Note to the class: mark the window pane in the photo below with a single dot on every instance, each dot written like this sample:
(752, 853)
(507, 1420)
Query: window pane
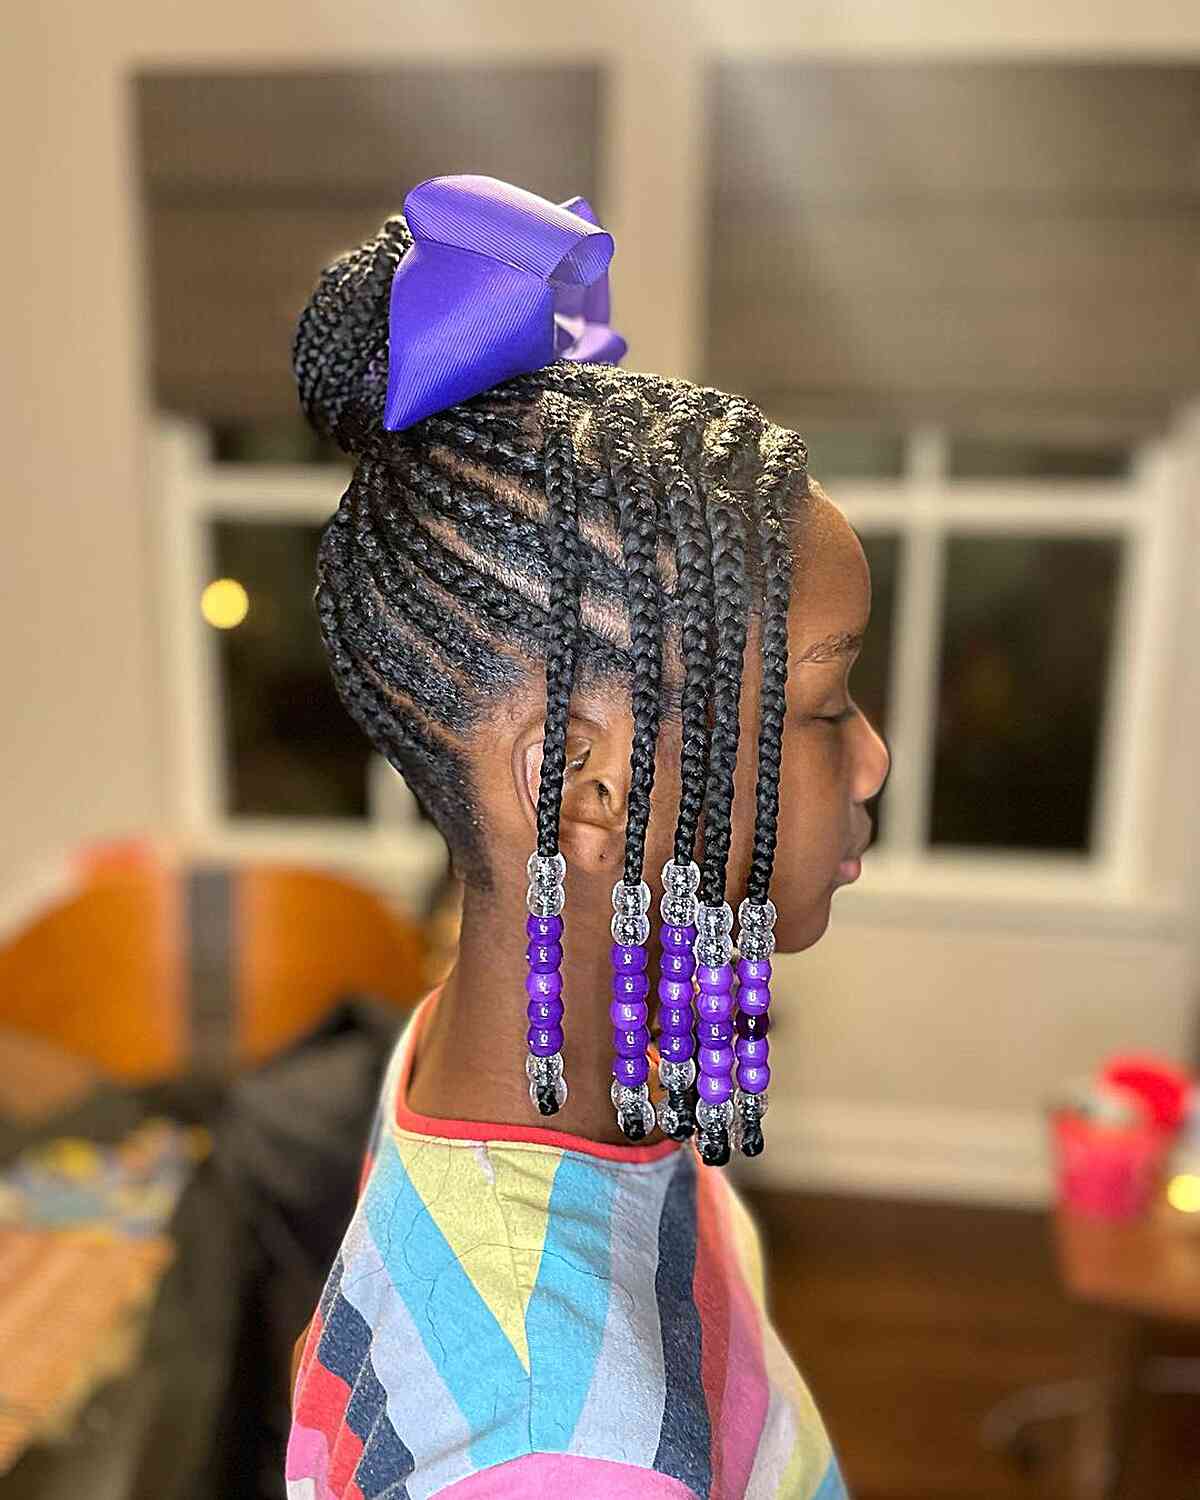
(1028, 630)
(290, 440)
(290, 748)
(995, 458)
(840, 453)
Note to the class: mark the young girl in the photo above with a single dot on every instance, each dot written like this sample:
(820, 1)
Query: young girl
(605, 617)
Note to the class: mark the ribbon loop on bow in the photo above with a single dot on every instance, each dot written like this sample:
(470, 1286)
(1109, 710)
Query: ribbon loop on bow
(498, 283)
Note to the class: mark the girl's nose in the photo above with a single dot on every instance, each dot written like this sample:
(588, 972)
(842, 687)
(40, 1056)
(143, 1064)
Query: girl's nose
(872, 762)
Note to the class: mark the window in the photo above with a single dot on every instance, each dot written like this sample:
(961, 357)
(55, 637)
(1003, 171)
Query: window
(289, 747)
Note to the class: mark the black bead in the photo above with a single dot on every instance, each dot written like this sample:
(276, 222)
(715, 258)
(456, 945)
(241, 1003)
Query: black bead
(714, 1148)
(632, 1125)
(751, 1026)
(752, 1139)
(547, 1101)
(687, 1117)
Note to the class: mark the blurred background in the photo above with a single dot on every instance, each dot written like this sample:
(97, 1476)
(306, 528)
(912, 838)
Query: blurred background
(958, 247)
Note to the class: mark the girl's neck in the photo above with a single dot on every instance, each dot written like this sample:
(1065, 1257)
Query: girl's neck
(470, 1060)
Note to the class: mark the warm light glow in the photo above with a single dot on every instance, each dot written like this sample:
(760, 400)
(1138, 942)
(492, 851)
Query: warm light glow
(1183, 1193)
(224, 603)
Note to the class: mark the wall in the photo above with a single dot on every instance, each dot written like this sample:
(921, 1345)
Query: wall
(894, 1017)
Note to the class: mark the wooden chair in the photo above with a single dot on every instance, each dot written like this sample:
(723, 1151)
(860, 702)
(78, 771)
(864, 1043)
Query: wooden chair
(153, 966)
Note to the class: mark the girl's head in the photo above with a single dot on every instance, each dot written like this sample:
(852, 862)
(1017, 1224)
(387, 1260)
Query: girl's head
(594, 610)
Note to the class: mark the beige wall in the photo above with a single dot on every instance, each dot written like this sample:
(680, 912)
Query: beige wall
(897, 1015)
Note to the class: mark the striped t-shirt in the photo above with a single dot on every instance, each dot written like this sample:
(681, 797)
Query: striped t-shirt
(519, 1312)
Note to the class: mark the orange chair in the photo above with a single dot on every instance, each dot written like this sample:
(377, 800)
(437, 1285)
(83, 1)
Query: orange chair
(154, 967)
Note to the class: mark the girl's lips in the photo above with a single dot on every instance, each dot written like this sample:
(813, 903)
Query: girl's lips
(848, 871)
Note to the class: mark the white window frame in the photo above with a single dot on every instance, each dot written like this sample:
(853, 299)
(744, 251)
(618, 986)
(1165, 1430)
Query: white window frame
(906, 880)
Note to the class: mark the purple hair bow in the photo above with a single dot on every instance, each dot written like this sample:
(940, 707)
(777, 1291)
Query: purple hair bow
(498, 282)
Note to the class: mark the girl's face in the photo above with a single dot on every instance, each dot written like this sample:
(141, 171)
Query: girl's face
(833, 760)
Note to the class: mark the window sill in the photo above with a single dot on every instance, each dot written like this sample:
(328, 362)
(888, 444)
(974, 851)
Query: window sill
(1025, 893)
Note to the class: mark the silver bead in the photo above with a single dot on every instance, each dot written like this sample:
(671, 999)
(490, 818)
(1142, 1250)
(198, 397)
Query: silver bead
(756, 946)
(679, 911)
(635, 1101)
(545, 870)
(545, 902)
(631, 900)
(631, 932)
(681, 880)
(677, 1076)
(543, 1069)
(670, 1119)
(750, 1106)
(714, 1116)
(714, 921)
(713, 952)
(756, 916)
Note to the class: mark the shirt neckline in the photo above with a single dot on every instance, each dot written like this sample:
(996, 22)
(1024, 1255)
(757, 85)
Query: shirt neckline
(409, 1120)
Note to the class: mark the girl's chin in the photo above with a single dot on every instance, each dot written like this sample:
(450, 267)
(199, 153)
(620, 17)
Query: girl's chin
(795, 936)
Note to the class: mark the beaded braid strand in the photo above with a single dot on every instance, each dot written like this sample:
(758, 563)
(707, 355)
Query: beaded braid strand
(638, 526)
(547, 867)
(756, 914)
(677, 1069)
(714, 923)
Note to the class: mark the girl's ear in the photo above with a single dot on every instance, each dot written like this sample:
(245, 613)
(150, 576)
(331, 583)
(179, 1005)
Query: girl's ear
(595, 789)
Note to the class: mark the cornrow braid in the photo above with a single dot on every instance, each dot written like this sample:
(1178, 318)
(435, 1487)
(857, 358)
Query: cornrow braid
(756, 914)
(681, 875)
(547, 867)
(637, 521)
(729, 458)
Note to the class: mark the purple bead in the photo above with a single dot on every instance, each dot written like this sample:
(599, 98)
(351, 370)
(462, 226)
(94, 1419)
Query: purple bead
(631, 1071)
(715, 980)
(544, 929)
(677, 939)
(677, 965)
(715, 1088)
(544, 956)
(753, 1078)
(545, 1012)
(630, 986)
(677, 1047)
(755, 1050)
(754, 970)
(675, 991)
(714, 1007)
(631, 1043)
(539, 986)
(628, 958)
(715, 1059)
(714, 1033)
(625, 1013)
(544, 1040)
(675, 1017)
(754, 1024)
(754, 999)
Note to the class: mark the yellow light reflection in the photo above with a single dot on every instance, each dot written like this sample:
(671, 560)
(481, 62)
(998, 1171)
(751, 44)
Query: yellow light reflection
(224, 603)
(1183, 1193)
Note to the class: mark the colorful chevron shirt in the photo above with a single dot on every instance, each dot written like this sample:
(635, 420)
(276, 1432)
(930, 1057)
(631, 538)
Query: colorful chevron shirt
(519, 1312)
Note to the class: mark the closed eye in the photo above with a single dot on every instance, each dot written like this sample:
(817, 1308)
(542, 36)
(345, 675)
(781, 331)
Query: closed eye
(844, 717)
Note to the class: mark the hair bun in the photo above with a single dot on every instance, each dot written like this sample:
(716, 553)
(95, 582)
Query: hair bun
(340, 352)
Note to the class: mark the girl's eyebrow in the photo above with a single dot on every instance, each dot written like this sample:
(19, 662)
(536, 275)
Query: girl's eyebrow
(833, 646)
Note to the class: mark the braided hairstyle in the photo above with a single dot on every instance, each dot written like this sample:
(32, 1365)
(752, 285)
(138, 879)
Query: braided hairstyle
(585, 521)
